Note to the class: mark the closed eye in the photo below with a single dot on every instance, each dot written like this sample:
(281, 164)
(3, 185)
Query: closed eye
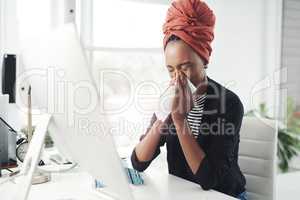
(186, 66)
(170, 69)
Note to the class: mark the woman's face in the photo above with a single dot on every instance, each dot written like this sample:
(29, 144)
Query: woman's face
(179, 56)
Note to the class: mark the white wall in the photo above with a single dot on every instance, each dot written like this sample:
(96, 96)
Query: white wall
(1, 31)
(246, 47)
(9, 25)
(21, 21)
(1, 25)
(9, 42)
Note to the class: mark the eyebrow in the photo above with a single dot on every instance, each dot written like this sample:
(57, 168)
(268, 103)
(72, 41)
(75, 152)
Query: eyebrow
(181, 64)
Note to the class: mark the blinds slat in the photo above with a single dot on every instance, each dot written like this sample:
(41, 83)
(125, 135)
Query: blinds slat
(291, 5)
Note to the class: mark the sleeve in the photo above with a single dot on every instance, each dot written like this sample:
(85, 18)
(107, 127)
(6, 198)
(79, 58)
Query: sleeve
(139, 165)
(220, 155)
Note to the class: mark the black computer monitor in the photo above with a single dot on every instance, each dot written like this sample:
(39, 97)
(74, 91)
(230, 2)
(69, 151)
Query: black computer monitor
(7, 146)
(9, 76)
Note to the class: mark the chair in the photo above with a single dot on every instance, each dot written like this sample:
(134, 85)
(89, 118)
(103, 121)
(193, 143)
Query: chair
(257, 157)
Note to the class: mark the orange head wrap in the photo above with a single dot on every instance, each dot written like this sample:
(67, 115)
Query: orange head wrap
(193, 22)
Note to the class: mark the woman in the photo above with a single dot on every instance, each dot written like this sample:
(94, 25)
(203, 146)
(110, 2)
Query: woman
(202, 131)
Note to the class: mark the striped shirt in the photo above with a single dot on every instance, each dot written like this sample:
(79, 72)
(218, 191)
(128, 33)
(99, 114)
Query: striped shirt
(194, 117)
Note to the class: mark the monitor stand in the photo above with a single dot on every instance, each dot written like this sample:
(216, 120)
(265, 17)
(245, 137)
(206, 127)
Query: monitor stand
(32, 158)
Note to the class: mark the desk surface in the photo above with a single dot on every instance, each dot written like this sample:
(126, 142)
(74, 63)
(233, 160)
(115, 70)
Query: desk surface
(159, 184)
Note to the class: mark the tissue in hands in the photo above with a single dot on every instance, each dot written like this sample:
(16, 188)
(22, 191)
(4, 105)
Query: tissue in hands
(164, 104)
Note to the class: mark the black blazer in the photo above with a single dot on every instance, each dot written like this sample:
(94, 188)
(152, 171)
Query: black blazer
(218, 137)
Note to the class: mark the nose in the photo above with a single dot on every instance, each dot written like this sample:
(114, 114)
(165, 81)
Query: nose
(180, 71)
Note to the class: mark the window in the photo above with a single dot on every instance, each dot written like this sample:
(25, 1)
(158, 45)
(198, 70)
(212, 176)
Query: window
(291, 46)
(125, 36)
(34, 19)
(127, 24)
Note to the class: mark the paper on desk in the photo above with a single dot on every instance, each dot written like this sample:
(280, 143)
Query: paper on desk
(164, 104)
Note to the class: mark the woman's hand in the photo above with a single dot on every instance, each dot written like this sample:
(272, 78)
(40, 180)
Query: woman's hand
(157, 127)
(183, 100)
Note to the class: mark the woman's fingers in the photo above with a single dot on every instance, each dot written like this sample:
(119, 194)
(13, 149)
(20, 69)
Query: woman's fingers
(173, 81)
(183, 78)
(182, 102)
(186, 94)
(182, 95)
(158, 124)
(177, 85)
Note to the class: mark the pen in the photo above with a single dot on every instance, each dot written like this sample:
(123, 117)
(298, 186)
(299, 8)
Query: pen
(29, 115)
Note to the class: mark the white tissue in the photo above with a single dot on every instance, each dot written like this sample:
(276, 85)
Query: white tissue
(164, 105)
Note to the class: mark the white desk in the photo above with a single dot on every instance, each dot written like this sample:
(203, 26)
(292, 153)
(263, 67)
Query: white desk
(159, 185)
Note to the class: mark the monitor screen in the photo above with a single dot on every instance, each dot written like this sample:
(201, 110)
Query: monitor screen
(7, 146)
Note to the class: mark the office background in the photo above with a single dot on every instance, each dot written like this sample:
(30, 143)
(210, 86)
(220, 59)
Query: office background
(256, 50)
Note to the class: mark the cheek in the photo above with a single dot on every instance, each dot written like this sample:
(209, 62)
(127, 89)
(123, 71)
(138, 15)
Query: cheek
(189, 73)
(193, 74)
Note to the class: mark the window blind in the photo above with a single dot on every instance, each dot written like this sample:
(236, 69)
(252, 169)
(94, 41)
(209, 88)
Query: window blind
(291, 46)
